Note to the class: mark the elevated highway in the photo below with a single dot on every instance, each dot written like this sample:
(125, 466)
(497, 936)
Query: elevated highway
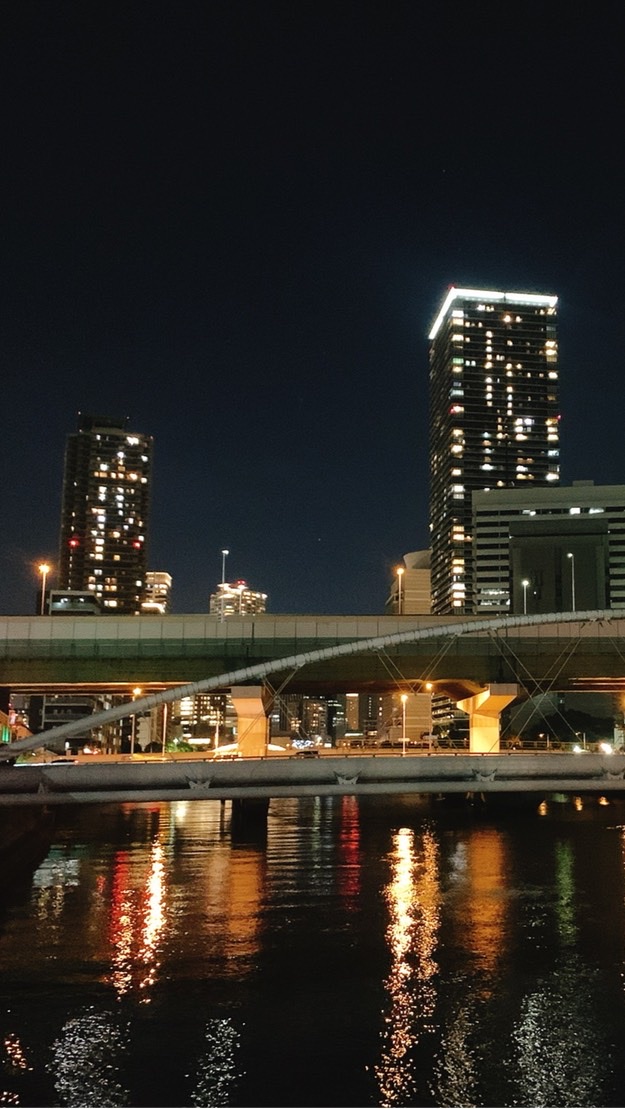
(472, 660)
(316, 653)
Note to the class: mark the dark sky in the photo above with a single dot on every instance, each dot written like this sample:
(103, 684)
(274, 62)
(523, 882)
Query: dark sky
(234, 222)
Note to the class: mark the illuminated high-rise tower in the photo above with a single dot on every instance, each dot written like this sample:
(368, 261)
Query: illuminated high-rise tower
(494, 419)
(104, 515)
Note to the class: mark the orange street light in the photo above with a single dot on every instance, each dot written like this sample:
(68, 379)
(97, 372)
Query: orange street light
(404, 698)
(400, 573)
(137, 691)
(44, 570)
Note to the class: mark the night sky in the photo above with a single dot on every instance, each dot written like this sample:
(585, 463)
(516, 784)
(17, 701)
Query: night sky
(234, 223)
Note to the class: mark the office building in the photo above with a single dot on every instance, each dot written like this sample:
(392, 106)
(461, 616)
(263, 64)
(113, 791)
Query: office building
(549, 550)
(299, 718)
(206, 719)
(105, 511)
(237, 599)
(494, 419)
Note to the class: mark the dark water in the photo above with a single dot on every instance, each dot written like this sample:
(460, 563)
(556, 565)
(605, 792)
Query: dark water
(372, 952)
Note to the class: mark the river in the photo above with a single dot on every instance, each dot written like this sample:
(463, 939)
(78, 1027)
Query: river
(348, 953)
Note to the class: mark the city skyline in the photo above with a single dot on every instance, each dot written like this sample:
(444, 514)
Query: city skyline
(234, 224)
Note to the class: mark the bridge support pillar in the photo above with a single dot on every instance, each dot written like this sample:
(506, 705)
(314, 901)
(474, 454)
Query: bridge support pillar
(249, 703)
(484, 710)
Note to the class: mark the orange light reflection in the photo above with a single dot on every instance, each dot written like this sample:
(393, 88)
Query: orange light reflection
(413, 897)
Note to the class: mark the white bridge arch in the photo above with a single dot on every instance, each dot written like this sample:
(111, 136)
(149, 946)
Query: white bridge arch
(259, 671)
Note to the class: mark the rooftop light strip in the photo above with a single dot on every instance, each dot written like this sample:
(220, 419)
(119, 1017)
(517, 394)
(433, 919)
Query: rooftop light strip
(488, 294)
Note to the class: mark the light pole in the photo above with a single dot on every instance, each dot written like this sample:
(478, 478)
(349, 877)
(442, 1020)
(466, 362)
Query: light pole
(400, 605)
(223, 582)
(525, 584)
(135, 693)
(404, 698)
(572, 558)
(44, 570)
(164, 735)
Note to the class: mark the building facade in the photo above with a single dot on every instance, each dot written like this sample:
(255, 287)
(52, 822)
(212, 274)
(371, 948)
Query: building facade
(549, 550)
(237, 599)
(105, 513)
(494, 419)
(410, 592)
(410, 595)
(157, 596)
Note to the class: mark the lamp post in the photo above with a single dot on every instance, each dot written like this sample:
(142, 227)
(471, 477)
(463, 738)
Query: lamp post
(525, 584)
(223, 582)
(44, 570)
(133, 730)
(400, 599)
(164, 733)
(572, 558)
(404, 698)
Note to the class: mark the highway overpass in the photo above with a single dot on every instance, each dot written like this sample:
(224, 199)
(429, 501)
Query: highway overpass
(176, 656)
(331, 652)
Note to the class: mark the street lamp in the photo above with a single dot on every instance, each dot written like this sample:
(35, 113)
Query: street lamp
(400, 574)
(44, 570)
(572, 558)
(223, 581)
(135, 693)
(525, 584)
(404, 698)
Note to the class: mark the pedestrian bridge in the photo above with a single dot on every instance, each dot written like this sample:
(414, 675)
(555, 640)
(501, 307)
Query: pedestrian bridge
(542, 776)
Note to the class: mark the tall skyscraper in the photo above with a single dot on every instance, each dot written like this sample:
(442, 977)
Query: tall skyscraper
(104, 515)
(494, 419)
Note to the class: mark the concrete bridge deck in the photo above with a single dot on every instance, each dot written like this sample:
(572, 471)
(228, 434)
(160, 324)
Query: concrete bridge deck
(157, 652)
(256, 778)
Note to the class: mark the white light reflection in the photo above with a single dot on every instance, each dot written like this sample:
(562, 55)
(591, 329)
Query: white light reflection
(52, 882)
(413, 898)
(216, 1072)
(562, 1049)
(561, 1038)
(86, 1060)
(456, 1071)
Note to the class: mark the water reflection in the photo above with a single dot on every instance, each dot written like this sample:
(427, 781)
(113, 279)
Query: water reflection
(86, 1060)
(217, 1069)
(472, 962)
(137, 920)
(560, 1041)
(413, 899)
(349, 848)
(14, 1064)
(456, 1071)
(483, 903)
